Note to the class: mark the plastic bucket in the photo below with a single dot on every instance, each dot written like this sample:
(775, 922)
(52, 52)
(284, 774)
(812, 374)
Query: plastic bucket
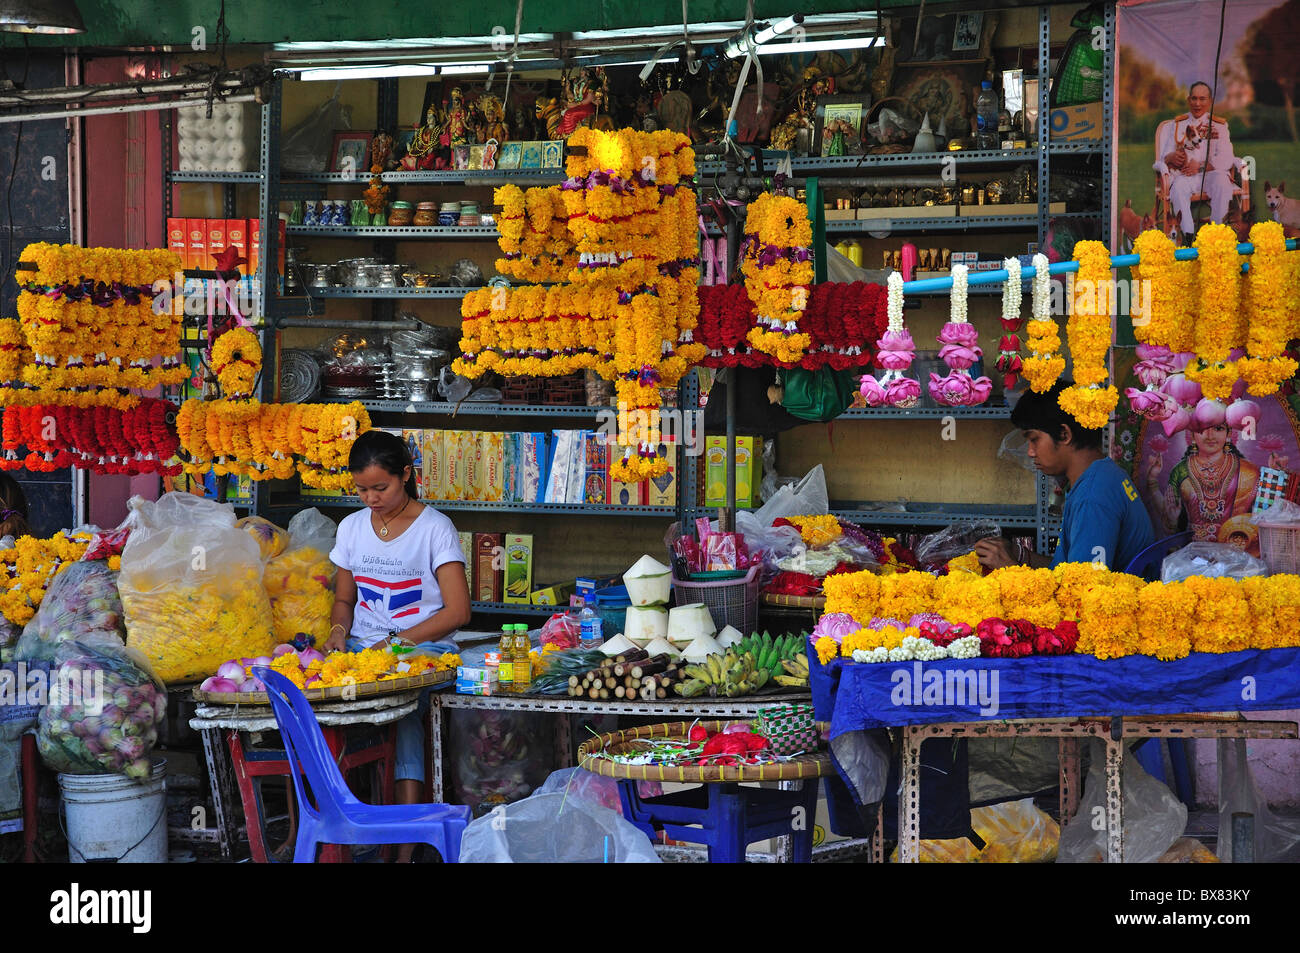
(113, 819)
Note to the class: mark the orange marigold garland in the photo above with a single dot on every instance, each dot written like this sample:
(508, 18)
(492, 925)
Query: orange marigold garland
(778, 274)
(1089, 330)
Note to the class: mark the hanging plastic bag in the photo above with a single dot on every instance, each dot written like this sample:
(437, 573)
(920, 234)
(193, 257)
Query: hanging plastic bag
(191, 587)
(306, 147)
(554, 829)
(1014, 447)
(105, 705)
(808, 497)
(300, 581)
(1210, 559)
(1153, 818)
(1277, 839)
(82, 604)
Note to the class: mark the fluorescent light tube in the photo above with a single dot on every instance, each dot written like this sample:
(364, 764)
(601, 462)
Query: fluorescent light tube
(368, 72)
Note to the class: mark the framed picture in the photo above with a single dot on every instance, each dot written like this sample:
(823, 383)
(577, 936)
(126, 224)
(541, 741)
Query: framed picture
(460, 158)
(511, 155)
(944, 91)
(402, 142)
(966, 34)
(475, 157)
(553, 154)
(531, 157)
(837, 128)
(351, 153)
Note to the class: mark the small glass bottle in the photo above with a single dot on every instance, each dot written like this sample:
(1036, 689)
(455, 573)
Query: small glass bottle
(505, 665)
(523, 667)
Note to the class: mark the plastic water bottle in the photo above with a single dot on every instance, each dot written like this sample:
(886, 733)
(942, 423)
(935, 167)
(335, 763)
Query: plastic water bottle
(591, 632)
(986, 117)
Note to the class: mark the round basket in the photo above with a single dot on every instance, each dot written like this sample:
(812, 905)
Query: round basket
(731, 601)
(334, 693)
(1279, 544)
(300, 376)
(626, 741)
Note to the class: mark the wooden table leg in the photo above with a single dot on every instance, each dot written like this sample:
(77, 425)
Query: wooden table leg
(1115, 795)
(254, 823)
(909, 798)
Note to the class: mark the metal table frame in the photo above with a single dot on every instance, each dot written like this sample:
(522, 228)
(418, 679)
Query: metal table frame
(673, 709)
(1113, 731)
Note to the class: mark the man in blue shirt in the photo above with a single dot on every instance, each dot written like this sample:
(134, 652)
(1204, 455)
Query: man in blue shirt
(1104, 520)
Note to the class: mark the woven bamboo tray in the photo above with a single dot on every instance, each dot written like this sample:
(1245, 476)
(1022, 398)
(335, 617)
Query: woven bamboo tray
(793, 602)
(619, 742)
(334, 693)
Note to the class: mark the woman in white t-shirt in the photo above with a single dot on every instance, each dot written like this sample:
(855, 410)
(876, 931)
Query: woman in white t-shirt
(401, 575)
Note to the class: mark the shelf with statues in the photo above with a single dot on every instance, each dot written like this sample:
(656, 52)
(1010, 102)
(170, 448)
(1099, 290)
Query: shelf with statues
(495, 176)
(394, 231)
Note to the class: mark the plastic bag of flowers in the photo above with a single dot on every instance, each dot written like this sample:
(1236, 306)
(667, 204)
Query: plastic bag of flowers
(300, 581)
(82, 602)
(104, 707)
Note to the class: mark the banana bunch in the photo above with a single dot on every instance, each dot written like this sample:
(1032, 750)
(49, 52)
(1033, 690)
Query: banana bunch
(518, 587)
(796, 672)
(724, 676)
(780, 657)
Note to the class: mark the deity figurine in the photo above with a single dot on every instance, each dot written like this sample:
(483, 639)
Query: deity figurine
(491, 123)
(381, 152)
(422, 151)
(582, 96)
(456, 127)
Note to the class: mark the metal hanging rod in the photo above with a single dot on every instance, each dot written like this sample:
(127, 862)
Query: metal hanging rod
(929, 285)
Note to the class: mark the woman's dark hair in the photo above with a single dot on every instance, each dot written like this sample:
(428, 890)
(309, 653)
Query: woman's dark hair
(13, 508)
(378, 448)
(1042, 412)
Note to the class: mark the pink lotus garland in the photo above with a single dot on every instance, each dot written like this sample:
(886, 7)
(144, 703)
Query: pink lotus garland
(1175, 401)
(894, 352)
(959, 351)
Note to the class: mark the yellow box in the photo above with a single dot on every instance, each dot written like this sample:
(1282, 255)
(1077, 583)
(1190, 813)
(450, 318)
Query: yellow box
(456, 464)
(749, 470)
(556, 595)
(662, 491)
(492, 458)
(471, 451)
(518, 583)
(467, 549)
(435, 466)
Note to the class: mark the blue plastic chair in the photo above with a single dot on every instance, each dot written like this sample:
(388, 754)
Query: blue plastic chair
(1147, 563)
(338, 817)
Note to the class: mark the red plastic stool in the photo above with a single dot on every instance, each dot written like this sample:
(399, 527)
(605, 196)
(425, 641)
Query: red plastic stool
(253, 763)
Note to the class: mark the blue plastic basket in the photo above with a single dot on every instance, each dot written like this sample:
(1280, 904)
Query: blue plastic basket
(611, 605)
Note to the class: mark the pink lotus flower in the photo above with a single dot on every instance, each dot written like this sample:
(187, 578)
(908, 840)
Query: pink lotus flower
(1158, 443)
(903, 392)
(959, 389)
(1238, 389)
(1176, 421)
(1186, 392)
(871, 391)
(1208, 413)
(895, 350)
(1151, 404)
(836, 625)
(1153, 352)
(1181, 360)
(959, 350)
(884, 622)
(1242, 413)
(1272, 443)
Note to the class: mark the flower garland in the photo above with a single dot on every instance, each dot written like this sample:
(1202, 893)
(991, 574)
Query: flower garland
(1089, 330)
(894, 352)
(29, 566)
(236, 360)
(959, 352)
(1218, 326)
(1045, 364)
(778, 271)
(1270, 322)
(89, 319)
(1015, 608)
(97, 439)
(1009, 362)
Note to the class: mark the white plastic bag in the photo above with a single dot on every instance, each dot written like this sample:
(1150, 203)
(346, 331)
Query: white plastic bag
(808, 497)
(1153, 817)
(553, 829)
(1014, 448)
(306, 146)
(1210, 559)
(1277, 839)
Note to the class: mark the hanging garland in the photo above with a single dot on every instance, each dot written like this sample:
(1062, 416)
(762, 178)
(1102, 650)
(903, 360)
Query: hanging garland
(1009, 362)
(894, 352)
(98, 439)
(1089, 331)
(777, 266)
(959, 351)
(1266, 367)
(1045, 364)
(1219, 326)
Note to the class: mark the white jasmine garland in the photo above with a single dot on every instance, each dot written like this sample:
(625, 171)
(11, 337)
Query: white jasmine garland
(901, 654)
(957, 315)
(894, 311)
(871, 656)
(969, 647)
(1042, 303)
(1011, 293)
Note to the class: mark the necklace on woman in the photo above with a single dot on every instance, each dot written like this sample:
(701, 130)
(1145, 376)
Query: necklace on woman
(383, 531)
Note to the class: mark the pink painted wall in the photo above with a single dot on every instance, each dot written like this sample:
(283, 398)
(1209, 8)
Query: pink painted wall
(124, 209)
(1275, 765)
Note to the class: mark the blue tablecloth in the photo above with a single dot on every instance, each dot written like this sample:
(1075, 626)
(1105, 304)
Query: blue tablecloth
(853, 697)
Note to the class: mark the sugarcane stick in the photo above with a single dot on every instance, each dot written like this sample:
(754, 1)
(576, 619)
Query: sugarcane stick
(648, 668)
(647, 694)
(661, 693)
(604, 694)
(573, 681)
(618, 692)
(635, 655)
(593, 694)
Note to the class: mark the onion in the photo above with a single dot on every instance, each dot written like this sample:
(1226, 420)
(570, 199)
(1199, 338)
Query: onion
(232, 670)
(218, 684)
(1240, 411)
(284, 648)
(1208, 413)
(307, 656)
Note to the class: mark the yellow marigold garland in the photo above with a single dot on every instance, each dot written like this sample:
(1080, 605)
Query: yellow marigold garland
(1044, 364)
(778, 225)
(1089, 330)
(1219, 323)
(1266, 366)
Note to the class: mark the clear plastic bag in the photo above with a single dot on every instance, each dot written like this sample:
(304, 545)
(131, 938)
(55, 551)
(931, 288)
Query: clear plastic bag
(554, 829)
(9, 636)
(1013, 448)
(300, 581)
(956, 539)
(306, 146)
(562, 631)
(1277, 839)
(1153, 818)
(82, 604)
(808, 497)
(105, 705)
(191, 587)
(771, 479)
(1016, 832)
(1210, 559)
(592, 788)
(271, 539)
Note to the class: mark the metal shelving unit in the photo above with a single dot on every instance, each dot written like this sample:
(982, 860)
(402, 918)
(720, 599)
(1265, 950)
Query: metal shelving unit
(439, 176)
(512, 608)
(476, 408)
(455, 293)
(386, 231)
(1024, 516)
(927, 413)
(572, 509)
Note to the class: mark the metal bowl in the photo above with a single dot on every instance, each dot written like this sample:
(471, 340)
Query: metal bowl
(317, 276)
(348, 270)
